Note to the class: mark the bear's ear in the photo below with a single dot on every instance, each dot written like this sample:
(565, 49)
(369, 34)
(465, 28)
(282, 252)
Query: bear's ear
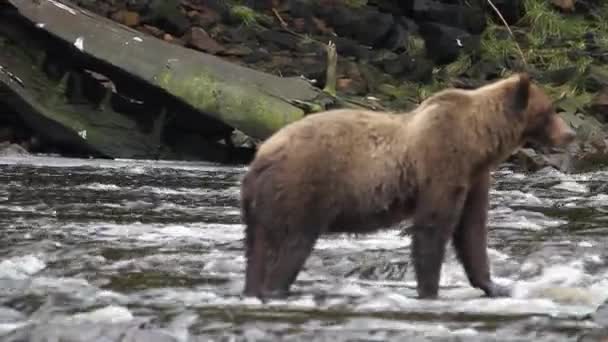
(521, 93)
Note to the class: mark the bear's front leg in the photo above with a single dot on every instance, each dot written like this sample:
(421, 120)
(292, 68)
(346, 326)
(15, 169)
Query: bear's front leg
(437, 213)
(470, 239)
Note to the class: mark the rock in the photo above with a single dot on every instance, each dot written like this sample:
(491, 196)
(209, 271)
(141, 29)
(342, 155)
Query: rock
(596, 335)
(397, 39)
(564, 5)
(597, 78)
(531, 161)
(600, 317)
(8, 149)
(239, 51)
(207, 18)
(258, 55)
(313, 68)
(367, 26)
(398, 65)
(241, 34)
(558, 76)
(511, 10)
(152, 30)
(280, 39)
(167, 15)
(128, 18)
(471, 19)
(199, 39)
(6, 133)
(599, 105)
(240, 139)
(300, 8)
(102, 8)
(351, 80)
(443, 43)
(348, 47)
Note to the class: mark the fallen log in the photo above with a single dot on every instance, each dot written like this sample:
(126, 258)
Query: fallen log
(254, 102)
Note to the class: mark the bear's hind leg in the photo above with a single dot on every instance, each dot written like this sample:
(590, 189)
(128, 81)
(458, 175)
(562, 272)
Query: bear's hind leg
(289, 261)
(256, 261)
(436, 216)
(470, 240)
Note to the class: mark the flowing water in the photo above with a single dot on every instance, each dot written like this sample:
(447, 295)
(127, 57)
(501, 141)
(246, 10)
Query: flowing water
(133, 250)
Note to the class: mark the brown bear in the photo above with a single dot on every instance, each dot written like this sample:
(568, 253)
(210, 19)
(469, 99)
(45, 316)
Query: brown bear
(357, 171)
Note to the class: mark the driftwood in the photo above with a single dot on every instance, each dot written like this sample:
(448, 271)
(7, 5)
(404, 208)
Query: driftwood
(171, 83)
(257, 103)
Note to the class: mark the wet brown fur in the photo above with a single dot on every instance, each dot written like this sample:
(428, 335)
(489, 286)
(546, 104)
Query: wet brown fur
(358, 171)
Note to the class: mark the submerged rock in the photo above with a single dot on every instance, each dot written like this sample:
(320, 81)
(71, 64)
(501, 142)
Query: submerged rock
(8, 149)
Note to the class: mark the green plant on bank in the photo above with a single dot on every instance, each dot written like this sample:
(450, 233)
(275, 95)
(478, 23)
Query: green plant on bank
(549, 41)
(245, 14)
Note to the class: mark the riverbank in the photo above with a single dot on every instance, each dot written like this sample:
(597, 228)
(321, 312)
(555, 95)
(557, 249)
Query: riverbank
(392, 56)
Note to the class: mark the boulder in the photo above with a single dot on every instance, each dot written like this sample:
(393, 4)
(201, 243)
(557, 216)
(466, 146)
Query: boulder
(468, 18)
(444, 43)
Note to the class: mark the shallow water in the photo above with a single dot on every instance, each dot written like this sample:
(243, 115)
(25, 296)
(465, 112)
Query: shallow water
(132, 250)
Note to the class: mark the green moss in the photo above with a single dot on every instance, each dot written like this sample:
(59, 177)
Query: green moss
(242, 107)
(245, 14)
(459, 66)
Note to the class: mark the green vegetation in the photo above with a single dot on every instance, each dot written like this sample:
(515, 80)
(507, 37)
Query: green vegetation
(550, 41)
(247, 15)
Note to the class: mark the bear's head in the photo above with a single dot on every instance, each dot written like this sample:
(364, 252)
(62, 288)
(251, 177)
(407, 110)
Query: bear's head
(542, 124)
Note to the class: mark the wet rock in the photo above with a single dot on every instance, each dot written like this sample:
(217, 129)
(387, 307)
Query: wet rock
(241, 34)
(300, 8)
(600, 316)
(469, 18)
(398, 65)
(102, 8)
(367, 26)
(8, 149)
(443, 43)
(529, 160)
(199, 39)
(258, 55)
(348, 47)
(238, 51)
(314, 69)
(128, 18)
(167, 15)
(397, 39)
(280, 39)
(351, 80)
(596, 335)
(6, 133)
(207, 18)
(597, 78)
(511, 10)
(152, 30)
(599, 105)
(240, 139)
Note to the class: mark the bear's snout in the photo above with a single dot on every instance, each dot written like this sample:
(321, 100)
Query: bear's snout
(560, 133)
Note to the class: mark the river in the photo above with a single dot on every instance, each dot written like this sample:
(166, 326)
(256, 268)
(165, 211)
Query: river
(96, 250)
